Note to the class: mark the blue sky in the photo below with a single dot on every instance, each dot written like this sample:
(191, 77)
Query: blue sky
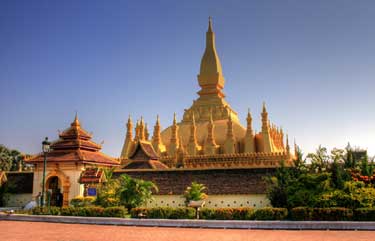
(313, 62)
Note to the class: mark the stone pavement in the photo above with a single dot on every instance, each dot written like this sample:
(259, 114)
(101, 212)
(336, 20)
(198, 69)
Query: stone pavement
(39, 231)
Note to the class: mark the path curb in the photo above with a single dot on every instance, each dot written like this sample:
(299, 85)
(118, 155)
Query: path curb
(224, 224)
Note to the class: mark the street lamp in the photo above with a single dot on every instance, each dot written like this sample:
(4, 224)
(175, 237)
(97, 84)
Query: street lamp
(45, 148)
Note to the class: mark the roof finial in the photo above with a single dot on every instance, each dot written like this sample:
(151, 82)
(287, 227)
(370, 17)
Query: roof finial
(264, 106)
(157, 119)
(76, 121)
(209, 24)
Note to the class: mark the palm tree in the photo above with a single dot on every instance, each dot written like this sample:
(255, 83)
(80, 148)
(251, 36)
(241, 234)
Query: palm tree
(195, 192)
(135, 192)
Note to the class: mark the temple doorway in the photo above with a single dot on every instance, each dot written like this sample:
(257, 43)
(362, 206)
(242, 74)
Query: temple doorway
(54, 188)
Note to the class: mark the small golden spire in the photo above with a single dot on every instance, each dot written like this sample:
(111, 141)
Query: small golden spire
(147, 134)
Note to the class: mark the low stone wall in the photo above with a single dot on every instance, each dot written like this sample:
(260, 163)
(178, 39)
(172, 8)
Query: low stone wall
(213, 201)
(18, 200)
(218, 181)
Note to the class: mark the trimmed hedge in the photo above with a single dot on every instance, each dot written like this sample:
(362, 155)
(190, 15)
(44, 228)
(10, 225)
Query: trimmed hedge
(211, 213)
(298, 214)
(81, 211)
(271, 214)
(364, 214)
(116, 212)
(163, 213)
(321, 214)
(227, 213)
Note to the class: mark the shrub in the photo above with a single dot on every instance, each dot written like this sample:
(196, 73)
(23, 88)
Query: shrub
(332, 214)
(270, 213)
(182, 213)
(90, 211)
(69, 211)
(46, 211)
(227, 213)
(80, 201)
(364, 214)
(207, 213)
(81, 211)
(243, 213)
(322, 214)
(302, 213)
(118, 212)
(163, 213)
(139, 212)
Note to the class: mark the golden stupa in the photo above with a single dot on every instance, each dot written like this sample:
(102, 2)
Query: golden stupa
(210, 134)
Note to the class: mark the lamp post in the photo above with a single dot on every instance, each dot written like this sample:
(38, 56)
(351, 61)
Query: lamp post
(45, 148)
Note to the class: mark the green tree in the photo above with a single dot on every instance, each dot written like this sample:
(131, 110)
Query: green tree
(134, 192)
(10, 160)
(195, 192)
(319, 159)
(299, 163)
(367, 169)
(277, 191)
(337, 169)
(349, 161)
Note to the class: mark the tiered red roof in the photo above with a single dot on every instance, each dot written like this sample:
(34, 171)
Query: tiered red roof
(144, 157)
(75, 145)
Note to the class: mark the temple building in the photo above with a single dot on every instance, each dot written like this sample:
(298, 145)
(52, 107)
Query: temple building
(210, 134)
(70, 156)
(209, 145)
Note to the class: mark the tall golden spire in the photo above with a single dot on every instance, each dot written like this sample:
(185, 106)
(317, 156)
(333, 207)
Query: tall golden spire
(287, 145)
(211, 77)
(229, 144)
(137, 132)
(142, 129)
(193, 131)
(265, 122)
(156, 138)
(267, 140)
(129, 126)
(192, 146)
(211, 81)
(173, 145)
(128, 139)
(249, 137)
(147, 134)
(210, 144)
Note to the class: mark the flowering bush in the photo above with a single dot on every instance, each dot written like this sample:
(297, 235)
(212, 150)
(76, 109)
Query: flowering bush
(80, 201)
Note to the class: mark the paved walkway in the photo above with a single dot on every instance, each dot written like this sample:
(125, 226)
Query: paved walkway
(14, 230)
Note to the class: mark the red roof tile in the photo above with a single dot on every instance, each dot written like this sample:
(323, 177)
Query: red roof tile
(75, 145)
